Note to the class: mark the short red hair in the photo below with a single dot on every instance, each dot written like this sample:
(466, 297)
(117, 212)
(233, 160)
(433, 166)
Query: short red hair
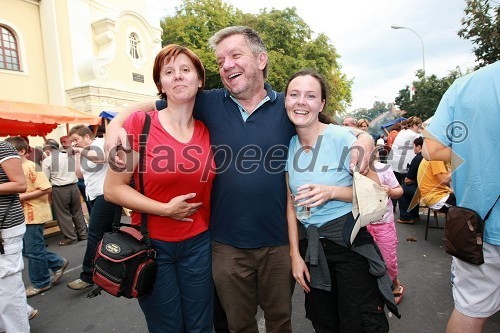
(172, 51)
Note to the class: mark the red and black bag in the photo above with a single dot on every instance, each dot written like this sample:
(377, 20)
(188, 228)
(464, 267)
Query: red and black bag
(125, 262)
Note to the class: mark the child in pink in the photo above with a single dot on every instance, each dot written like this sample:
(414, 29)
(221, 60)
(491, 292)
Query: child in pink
(384, 231)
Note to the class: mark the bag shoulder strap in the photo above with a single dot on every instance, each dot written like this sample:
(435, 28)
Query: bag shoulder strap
(2, 250)
(7, 210)
(143, 138)
(142, 151)
(491, 209)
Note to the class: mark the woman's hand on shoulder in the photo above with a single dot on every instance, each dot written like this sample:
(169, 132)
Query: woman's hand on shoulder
(179, 209)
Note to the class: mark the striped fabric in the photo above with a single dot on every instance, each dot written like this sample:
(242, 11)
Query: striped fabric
(15, 215)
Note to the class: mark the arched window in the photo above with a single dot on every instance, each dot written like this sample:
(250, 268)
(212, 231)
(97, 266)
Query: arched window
(134, 44)
(9, 54)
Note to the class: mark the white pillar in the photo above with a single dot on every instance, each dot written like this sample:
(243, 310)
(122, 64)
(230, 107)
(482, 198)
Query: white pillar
(52, 52)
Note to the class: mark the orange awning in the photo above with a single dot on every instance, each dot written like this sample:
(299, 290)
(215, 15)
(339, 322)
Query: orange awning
(19, 118)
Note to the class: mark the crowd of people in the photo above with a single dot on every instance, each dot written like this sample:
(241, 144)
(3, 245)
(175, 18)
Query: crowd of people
(35, 188)
(443, 167)
(48, 190)
(211, 157)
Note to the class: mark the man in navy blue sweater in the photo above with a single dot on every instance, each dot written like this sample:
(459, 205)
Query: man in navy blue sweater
(250, 133)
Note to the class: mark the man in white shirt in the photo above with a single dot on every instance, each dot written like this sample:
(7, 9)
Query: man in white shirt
(60, 170)
(92, 167)
(402, 152)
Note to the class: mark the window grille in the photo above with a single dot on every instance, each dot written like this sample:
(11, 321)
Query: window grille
(9, 54)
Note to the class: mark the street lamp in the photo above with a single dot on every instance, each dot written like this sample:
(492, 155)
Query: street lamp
(394, 26)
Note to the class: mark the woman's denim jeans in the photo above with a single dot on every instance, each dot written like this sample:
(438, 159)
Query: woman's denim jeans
(182, 300)
(39, 259)
(101, 220)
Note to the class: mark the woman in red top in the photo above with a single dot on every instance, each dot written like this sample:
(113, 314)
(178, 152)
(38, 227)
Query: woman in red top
(177, 183)
(396, 128)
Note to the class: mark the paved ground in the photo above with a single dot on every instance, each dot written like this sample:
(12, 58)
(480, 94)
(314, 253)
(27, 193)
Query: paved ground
(423, 265)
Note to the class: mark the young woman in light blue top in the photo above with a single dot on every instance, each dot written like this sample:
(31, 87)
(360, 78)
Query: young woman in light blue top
(344, 287)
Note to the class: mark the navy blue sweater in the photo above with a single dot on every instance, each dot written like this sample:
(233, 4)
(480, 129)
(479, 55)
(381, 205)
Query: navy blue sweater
(248, 203)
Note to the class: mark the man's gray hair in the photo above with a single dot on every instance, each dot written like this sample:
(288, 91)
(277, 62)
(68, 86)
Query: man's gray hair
(353, 121)
(254, 42)
(52, 144)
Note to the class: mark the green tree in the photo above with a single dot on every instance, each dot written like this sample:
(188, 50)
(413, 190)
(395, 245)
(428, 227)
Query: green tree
(291, 47)
(481, 25)
(194, 22)
(373, 112)
(428, 93)
(289, 40)
(403, 100)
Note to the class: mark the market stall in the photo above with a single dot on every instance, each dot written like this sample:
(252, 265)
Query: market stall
(20, 118)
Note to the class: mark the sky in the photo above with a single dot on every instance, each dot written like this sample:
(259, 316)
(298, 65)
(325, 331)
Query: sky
(380, 60)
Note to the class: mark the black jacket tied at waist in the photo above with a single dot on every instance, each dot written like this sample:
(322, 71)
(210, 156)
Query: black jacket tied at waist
(363, 245)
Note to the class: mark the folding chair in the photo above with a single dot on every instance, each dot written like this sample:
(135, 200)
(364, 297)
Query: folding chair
(435, 213)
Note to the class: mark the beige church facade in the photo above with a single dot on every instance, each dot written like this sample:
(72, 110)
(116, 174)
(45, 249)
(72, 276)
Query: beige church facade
(91, 55)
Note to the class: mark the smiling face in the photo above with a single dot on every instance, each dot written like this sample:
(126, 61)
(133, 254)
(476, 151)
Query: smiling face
(179, 79)
(81, 141)
(304, 100)
(240, 70)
